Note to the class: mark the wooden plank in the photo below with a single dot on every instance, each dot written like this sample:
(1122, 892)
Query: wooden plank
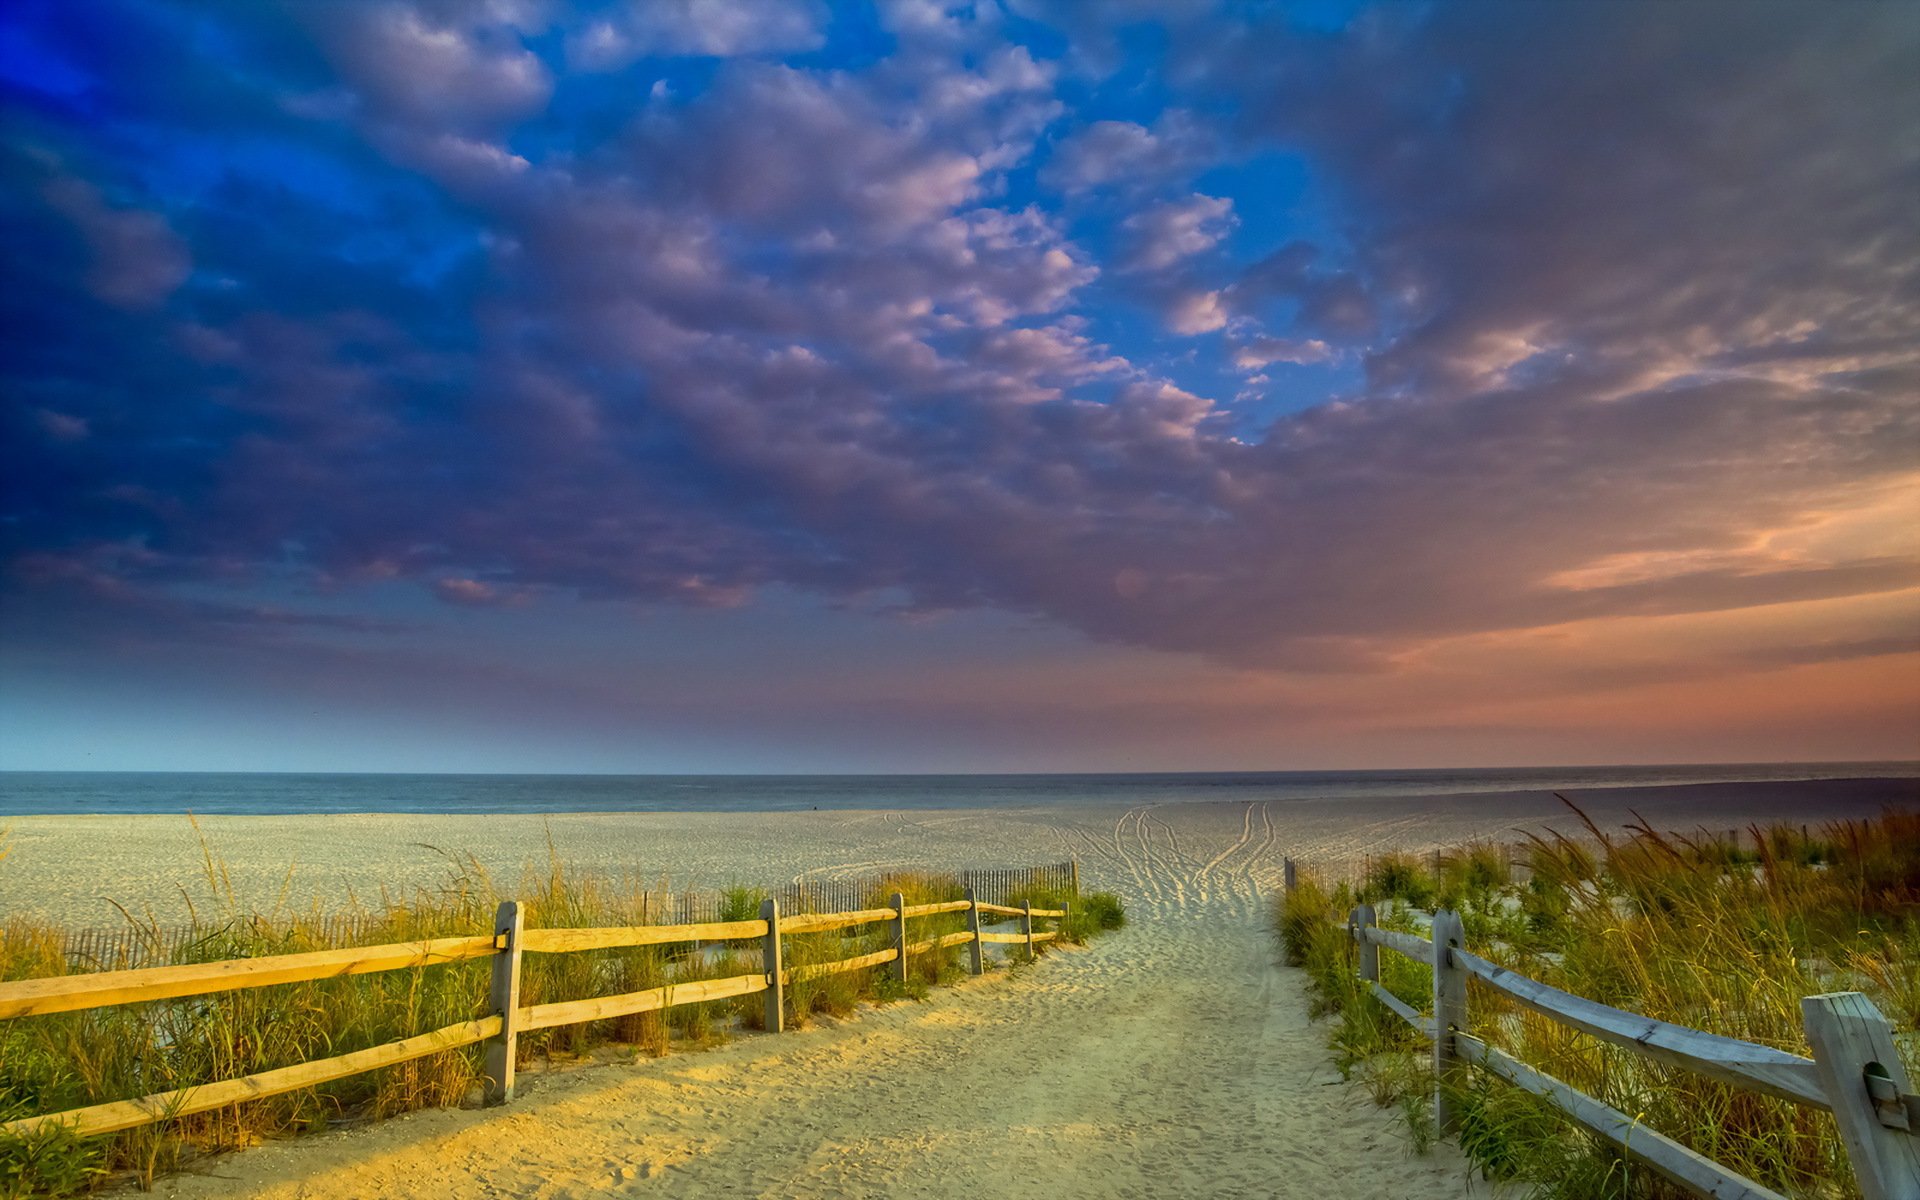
(597, 1008)
(1400, 1008)
(567, 941)
(130, 1114)
(1050, 913)
(1049, 935)
(1358, 924)
(940, 943)
(1449, 1019)
(70, 993)
(1419, 949)
(1005, 910)
(899, 906)
(816, 970)
(775, 1017)
(1743, 1064)
(1673, 1161)
(1005, 939)
(1853, 1047)
(816, 922)
(944, 906)
(503, 997)
(975, 962)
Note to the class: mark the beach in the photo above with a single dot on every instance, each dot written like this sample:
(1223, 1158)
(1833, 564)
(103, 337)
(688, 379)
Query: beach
(1173, 1057)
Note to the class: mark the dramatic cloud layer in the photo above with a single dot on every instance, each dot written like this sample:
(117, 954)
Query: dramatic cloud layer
(1300, 344)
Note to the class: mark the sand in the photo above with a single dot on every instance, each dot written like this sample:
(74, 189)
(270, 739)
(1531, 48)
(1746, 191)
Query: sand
(1173, 1058)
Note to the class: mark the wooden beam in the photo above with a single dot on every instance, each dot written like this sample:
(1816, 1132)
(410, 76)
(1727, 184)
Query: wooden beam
(1360, 922)
(1418, 949)
(1400, 1008)
(503, 997)
(975, 962)
(816, 970)
(944, 906)
(598, 1008)
(1449, 1019)
(899, 905)
(1743, 1064)
(130, 1114)
(1853, 1051)
(567, 941)
(1004, 939)
(776, 1014)
(1673, 1161)
(818, 922)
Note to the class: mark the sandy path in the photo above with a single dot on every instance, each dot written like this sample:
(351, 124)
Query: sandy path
(1173, 1058)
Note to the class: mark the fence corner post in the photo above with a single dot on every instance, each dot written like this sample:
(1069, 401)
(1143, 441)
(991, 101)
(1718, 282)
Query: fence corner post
(1288, 875)
(976, 965)
(776, 971)
(1026, 925)
(503, 997)
(1449, 1014)
(1861, 1072)
(1361, 920)
(899, 906)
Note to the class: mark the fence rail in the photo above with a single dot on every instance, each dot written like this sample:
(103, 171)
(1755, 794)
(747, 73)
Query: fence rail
(508, 1018)
(1856, 1072)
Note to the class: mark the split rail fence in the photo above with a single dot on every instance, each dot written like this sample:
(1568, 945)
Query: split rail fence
(508, 1018)
(1855, 1073)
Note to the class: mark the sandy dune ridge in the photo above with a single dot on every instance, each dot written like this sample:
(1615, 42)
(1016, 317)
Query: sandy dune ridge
(1173, 1058)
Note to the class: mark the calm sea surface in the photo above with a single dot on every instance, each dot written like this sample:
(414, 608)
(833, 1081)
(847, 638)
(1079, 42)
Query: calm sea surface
(25, 793)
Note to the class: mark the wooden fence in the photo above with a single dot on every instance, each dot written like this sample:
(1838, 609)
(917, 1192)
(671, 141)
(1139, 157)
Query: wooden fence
(507, 1017)
(1855, 1073)
(132, 946)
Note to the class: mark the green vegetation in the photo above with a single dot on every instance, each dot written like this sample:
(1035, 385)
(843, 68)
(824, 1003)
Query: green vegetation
(1693, 930)
(69, 1060)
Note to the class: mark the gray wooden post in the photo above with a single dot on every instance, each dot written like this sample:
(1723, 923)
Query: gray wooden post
(1076, 878)
(503, 997)
(1359, 922)
(1863, 1077)
(899, 906)
(1026, 927)
(976, 965)
(770, 959)
(1449, 1014)
(1287, 875)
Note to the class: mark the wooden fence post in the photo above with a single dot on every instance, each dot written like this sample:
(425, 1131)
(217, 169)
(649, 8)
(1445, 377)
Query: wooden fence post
(1449, 1014)
(976, 966)
(1076, 878)
(1862, 1075)
(1359, 921)
(503, 997)
(771, 960)
(1287, 875)
(1026, 927)
(899, 905)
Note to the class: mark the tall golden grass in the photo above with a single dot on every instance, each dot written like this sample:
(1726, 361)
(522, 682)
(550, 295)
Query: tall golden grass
(1689, 928)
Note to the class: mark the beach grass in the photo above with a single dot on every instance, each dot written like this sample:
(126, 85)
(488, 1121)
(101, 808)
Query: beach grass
(1720, 934)
(57, 1062)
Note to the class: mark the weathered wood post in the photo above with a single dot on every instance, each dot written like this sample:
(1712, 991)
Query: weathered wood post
(1076, 877)
(975, 963)
(503, 997)
(1288, 876)
(1449, 1014)
(771, 960)
(1862, 1075)
(1358, 922)
(1026, 926)
(899, 905)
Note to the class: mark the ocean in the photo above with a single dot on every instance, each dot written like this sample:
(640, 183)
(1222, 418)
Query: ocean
(24, 793)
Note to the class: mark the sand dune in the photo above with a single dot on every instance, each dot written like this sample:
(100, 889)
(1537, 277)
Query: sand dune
(1173, 1058)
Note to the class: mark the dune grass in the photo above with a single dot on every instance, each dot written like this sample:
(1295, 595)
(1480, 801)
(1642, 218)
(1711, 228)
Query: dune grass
(62, 1061)
(1689, 928)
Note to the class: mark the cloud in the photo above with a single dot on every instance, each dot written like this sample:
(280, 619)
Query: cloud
(1166, 234)
(624, 32)
(852, 328)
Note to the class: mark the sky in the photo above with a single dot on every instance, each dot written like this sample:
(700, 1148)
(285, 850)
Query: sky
(915, 386)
